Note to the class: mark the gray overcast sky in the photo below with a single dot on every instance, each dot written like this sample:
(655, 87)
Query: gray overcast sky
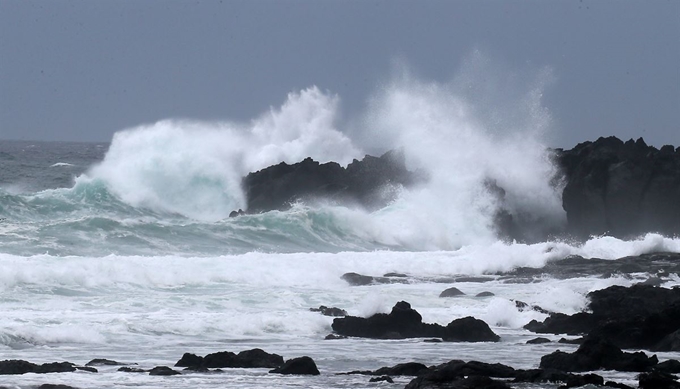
(81, 70)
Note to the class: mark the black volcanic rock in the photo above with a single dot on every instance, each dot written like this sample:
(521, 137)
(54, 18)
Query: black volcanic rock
(163, 371)
(595, 354)
(405, 322)
(18, 366)
(460, 374)
(640, 316)
(621, 189)
(300, 366)
(362, 182)
(451, 292)
(329, 311)
(255, 358)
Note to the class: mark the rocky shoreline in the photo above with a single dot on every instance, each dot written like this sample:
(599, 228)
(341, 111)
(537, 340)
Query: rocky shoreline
(639, 317)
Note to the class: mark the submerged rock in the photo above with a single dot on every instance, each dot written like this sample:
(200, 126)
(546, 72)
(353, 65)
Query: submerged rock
(451, 292)
(163, 371)
(332, 311)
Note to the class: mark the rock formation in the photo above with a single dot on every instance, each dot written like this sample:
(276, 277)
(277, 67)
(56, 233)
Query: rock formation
(620, 189)
(371, 182)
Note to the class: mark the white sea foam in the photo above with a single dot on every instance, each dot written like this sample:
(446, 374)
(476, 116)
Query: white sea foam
(195, 168)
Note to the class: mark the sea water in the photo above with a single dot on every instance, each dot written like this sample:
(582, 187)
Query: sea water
(124, 250)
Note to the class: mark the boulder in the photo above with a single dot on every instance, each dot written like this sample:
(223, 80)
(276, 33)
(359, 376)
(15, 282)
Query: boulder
(459, 374)
(658, 380)
(332, 311)
(298, 366)
(595, 354)
(255, 358)
(104, 362)
(163, 371)
(538, 341)
(405, 322)
(451, 292)
(384, 378)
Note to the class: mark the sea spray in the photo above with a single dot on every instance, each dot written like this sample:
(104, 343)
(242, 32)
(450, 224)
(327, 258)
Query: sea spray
(195, 168)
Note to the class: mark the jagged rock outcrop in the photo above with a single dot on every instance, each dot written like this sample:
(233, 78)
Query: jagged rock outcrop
(640, 316)
(621, 188)
(366, 182)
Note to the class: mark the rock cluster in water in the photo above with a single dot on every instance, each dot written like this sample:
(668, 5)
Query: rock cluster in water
(405, 322)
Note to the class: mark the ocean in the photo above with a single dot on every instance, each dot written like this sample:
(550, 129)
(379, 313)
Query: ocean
(124, 251)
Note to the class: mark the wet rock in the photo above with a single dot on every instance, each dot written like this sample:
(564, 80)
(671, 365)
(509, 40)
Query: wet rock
(522, 306)
(18, 366)
(538, 341)
(104, 362)
(459, 374)
(163, 371)
(658, 380)
(402, 369)
(671, 366)
(298, 366)
(56, 386)
(612, 384)
(405, 322)
(640, 316)
(451, 292)
(127, 369)
(87, 368)
(356, 279)
(189, 360)
(469, 329)
(334, 337)
(400, 275)
(595, 354)
(484, 294)
(255, 358)
(571, 341)
(326, 311)
(382, 379)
